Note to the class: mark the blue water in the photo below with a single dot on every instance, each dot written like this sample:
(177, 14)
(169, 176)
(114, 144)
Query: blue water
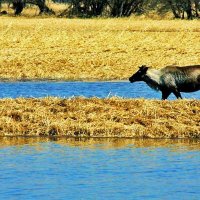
(114, 169)
(87, 89)
(102, 169)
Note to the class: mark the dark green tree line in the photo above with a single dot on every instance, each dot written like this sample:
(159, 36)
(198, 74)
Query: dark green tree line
(117, 8)
(124, 8)
(180, 8)
(19, 5)
(87, 8)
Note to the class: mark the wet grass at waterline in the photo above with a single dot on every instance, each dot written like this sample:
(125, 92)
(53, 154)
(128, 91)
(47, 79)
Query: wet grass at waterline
(93, 117)
(103, 143)
(93, 49)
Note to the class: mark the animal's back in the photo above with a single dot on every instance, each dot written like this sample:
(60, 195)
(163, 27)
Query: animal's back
(186, 78)
(186, 69)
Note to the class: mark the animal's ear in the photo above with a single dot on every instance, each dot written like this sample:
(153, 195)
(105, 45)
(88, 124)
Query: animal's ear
(144, 68)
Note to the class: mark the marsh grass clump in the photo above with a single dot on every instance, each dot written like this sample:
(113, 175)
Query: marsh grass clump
(93, 117)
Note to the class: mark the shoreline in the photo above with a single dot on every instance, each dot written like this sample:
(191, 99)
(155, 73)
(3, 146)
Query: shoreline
(61, 80)
(99, 142)
(80, 138)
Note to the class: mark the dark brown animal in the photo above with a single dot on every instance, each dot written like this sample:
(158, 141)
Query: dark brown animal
(170, 79)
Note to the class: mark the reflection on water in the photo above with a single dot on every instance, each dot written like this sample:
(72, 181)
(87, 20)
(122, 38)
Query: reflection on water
(82, 168)
(104, 143)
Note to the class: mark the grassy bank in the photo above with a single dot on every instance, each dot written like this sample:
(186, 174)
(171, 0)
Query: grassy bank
(112, 117)
(93, 49)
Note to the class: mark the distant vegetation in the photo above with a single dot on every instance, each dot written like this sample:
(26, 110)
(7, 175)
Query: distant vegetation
(124, 8)
(114, 8)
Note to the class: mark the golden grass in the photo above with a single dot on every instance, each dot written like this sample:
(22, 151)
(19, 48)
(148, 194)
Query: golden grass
(112, 117)
(93, 49)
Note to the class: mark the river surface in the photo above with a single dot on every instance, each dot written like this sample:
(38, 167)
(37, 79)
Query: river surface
(86, 89)
(66, 168)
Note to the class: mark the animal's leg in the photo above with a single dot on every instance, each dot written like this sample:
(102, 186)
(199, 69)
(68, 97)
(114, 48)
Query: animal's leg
(177, 94)
(165, 94)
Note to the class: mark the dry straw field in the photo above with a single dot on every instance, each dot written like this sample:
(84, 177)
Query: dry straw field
(96, 49)
(93, 49)
(112, 117)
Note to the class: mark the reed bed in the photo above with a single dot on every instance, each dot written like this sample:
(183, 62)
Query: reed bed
(93, 49)
(93, 117)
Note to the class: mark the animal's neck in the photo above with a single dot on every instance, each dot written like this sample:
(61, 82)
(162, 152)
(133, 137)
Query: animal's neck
(152, 78)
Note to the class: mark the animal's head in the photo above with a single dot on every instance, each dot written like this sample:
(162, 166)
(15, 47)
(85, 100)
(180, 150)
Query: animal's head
(139, 75)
